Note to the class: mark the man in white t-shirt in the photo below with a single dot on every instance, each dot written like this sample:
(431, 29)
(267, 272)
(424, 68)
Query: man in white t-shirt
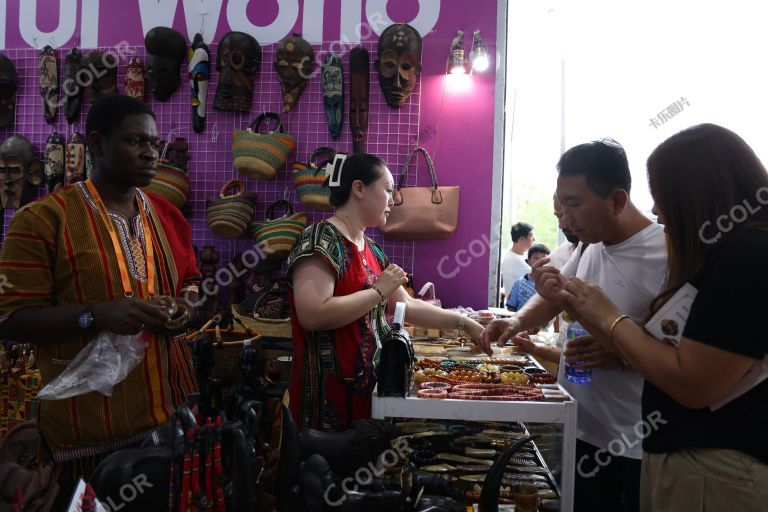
(560, 256)
(627, 258)
(514, 265)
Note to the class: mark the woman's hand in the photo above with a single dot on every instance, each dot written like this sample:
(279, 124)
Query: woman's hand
(591, 303)
(391, 279)
(524, 341)
(475, 331)
(585, 352)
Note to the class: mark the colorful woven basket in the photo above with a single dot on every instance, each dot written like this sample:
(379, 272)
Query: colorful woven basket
(171, 183)
(276, 334)
(309, 180)
(230, 215)
(276, 236)
(259, 155)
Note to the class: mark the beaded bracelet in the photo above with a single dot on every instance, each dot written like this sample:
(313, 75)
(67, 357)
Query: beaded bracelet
(462, 321)
(379, 292)
(435, 385)
(433, 394)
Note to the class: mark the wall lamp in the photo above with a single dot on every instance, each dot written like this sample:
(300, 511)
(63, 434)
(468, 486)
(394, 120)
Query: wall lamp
(457, 65)
(479, 54)
(478, 57)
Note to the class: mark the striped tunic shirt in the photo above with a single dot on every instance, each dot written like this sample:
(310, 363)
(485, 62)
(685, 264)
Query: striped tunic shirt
(57, 251)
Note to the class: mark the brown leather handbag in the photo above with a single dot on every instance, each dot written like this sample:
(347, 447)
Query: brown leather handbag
(422, 213)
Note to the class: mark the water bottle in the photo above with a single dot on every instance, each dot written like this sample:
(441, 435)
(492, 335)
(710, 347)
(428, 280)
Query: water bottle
(575, 330)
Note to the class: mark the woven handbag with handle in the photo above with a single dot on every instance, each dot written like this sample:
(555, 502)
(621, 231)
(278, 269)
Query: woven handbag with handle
(259, 155)
(310, 180)
(171, 183)
(230, 215)
(276, 236)
(422, 213)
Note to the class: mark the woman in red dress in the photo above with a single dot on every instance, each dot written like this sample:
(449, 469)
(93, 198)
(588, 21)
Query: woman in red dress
(340, 284)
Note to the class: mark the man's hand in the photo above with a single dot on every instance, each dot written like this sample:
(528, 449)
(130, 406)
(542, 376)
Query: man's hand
(584, 352)
(129, 316)
(549, 282)
(501, 330)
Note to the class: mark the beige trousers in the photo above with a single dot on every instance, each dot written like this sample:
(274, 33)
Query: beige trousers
(703, 480)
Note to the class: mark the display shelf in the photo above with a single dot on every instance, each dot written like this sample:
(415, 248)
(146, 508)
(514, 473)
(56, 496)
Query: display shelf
(563, 412)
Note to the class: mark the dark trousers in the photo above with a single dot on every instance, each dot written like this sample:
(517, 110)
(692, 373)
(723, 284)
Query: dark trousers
(605, 481)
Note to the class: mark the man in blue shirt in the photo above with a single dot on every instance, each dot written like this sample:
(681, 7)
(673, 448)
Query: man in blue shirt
(525, 287)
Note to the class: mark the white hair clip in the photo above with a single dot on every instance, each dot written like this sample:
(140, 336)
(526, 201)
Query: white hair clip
(334, 170)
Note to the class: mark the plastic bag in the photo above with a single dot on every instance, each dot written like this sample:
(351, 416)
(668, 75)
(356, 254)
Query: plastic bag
(104, 362)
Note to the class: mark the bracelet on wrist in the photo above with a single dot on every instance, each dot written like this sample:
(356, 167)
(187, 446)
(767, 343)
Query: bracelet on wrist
(381, 295)
(462, 321)
(613, 326)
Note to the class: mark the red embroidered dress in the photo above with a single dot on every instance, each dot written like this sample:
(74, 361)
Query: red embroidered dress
(333, 370)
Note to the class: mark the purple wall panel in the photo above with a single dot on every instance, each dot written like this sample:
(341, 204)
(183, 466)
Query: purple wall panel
(457, 128)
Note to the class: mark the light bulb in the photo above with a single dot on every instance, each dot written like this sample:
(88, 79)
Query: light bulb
(480, 62)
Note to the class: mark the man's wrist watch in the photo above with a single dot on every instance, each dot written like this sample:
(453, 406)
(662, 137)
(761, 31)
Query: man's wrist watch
(86, 318)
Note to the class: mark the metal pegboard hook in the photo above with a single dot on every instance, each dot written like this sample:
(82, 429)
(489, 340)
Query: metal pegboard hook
(215, 132)
(174, 131)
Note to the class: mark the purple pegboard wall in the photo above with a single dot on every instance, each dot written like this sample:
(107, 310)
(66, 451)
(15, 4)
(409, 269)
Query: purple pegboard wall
(391, 134)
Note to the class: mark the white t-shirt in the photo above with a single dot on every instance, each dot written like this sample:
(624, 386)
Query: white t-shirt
(512, 267)
(631, 273)
(560, 256)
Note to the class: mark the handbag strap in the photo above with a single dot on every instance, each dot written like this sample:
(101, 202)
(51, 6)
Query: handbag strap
(409, 159)
(256, 123)
(280, 202)
(428, 286)
(236, 183)
(437, 196)
(324, 150)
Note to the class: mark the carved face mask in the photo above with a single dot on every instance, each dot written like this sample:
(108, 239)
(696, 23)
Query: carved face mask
(49, 83)
(359, 85)
(399, 62)
(21, 172)
(102, 74)
(293, 63)
(199, 76)
(333, 93)
(74, 166)
(134, 78)
(53, 163)
(238, 58)
(166, 50)
(73, 93)
(9, 83)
